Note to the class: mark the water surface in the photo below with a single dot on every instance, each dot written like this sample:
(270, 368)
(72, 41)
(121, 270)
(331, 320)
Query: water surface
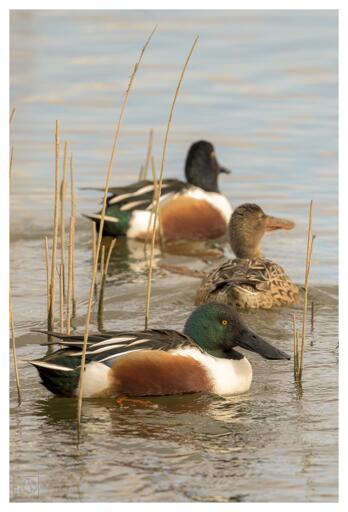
(262, 86)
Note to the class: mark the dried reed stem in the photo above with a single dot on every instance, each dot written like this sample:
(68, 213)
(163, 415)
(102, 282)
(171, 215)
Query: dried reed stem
(61, 296)
(12, 114)
(62, 213)
(164, 152)
(101, 226)
(102, 285)
(11, 163)
(14, 352)
(13, 337)
(70, 275)
(73, 216)
(295, 348)
(111, 248)
(94, 249)
(299, 357)
(150, 225)
(55, 229)
(305, 306)
(71, 270)
(94, 242)
(102, 261)
(48, 281)
(148, 154)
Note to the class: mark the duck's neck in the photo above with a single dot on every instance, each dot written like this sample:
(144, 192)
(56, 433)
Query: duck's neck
(207, 182)
(245, 248)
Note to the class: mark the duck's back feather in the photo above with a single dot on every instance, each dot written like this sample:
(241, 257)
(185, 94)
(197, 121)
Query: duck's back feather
(253, 283)
(136, 363)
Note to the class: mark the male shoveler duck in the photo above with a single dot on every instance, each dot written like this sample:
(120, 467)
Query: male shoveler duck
(250, 280)
(160, 362)
(191, 210)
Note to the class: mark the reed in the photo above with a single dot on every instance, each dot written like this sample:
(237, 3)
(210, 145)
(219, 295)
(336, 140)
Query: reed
(14, 351)
(298, 369)
(71, 269)
(62, 214)
(13, 337)
(148, 154)
(55, 228)
(102, 261)
(101, 226)
(94, 250)
(72, 228)
(295, 348)
(164, 153)
(150, 225)
(11, 163)
(12, 114)
(48, 280)
(102, 284)
(61, 297)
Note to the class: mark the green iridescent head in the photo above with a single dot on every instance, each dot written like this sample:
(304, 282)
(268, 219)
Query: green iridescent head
(218, 329)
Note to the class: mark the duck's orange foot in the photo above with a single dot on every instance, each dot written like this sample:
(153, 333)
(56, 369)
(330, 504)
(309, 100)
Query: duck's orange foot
(125, 401)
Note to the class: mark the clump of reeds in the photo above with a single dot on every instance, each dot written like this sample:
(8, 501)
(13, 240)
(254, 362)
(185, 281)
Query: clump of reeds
(67, 300)
(159, 186)
(299, 352)
(101, 226)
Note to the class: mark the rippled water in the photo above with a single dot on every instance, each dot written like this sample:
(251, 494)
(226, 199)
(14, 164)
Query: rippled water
(262, 86)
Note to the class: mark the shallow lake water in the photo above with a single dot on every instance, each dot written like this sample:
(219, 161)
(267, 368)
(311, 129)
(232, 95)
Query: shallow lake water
(262, 86)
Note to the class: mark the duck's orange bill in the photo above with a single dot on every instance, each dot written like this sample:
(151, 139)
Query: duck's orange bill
(273, 223)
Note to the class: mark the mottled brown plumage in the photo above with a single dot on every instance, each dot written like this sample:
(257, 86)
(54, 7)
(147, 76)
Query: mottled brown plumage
(250, 280)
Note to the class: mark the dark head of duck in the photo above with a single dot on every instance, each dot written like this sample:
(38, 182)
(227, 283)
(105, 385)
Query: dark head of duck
(202, 168)
(219, 330)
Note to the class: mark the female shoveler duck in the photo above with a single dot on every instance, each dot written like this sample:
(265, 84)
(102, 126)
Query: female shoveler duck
(191, 210)
(250, 280)
(160, 362)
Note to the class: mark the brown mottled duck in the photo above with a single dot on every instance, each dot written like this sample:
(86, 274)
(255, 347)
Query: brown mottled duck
(250, 280)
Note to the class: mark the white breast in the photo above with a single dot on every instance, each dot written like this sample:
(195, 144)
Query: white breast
(217, 200)
(230, 376)
(96, 379)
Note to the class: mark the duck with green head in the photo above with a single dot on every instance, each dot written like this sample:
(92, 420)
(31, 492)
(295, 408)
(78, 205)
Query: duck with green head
(204, 358)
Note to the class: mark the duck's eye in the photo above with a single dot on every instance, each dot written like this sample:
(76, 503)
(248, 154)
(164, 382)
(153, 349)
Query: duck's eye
(224, 322)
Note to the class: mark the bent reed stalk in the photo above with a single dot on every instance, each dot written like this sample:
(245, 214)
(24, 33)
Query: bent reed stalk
(164, 153)
(101, 226)
(299, 354)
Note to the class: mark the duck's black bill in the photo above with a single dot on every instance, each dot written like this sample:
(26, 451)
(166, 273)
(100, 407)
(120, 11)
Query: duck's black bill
(254, 343)
(223, 170)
